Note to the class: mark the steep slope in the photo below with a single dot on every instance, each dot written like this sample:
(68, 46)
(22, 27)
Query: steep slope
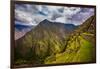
(80, 45)
(46, 39)
(21, 30)
(50, 43)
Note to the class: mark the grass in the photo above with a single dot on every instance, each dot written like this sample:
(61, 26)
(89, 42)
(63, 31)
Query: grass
(85, 54)
(80, 50)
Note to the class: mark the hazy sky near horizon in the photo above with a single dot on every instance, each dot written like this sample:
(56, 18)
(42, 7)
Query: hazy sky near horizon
(32, 15)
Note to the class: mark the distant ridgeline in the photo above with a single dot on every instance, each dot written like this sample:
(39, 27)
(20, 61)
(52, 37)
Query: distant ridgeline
(52, 43)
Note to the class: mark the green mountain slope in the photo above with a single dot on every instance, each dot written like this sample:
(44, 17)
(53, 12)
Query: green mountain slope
(80, 45)
(46, 39)
(52, 43)
(75, 52)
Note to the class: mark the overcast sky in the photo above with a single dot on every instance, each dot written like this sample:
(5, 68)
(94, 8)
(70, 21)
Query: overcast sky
(30, 14)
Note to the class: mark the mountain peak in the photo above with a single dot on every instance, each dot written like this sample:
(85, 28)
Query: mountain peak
(45, 20)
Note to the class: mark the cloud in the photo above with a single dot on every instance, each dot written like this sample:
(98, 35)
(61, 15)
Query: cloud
(71, 10)
(81, 16)
(29, 14)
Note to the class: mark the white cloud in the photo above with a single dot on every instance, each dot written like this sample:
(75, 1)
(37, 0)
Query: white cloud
(23, 16)
(61, 19)
(71, 10)
(80, 17)
(34, 14)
